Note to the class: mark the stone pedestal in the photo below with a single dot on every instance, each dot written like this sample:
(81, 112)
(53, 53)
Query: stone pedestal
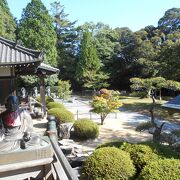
(44, 150)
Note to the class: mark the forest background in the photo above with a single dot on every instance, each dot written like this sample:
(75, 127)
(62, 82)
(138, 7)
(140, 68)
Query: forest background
(93, 55)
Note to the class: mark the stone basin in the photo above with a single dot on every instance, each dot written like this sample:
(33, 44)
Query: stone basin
(34, 153)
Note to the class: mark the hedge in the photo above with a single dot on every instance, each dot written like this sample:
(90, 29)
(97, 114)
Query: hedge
(62, 115)
(108, 163)
(85, 129)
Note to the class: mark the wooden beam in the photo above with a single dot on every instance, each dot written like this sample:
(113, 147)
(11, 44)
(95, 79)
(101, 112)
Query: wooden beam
(42, 94)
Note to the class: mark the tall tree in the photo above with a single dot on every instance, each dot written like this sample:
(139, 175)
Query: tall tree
(106, 42)
(170, 21)
(170, 61)
(7, 23)
(88, 68)
(36, 30)
(66, 42)
(123, 62)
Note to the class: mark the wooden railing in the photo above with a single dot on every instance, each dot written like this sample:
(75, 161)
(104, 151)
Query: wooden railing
(61, 165)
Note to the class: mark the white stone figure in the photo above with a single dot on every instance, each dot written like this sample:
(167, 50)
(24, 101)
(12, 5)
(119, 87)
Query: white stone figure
(48, 91)
(35, 92)
(23, 91)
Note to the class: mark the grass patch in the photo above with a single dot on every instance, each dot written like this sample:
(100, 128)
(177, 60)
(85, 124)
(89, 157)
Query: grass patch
(135, 104)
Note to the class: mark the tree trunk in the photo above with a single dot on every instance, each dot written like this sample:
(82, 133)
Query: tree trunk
(102, 121)
(160, 98)
(103, 116)
(157, 131)
(151, 110)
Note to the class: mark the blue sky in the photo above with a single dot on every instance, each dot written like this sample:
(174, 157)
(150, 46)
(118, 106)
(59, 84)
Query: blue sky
(135, 14)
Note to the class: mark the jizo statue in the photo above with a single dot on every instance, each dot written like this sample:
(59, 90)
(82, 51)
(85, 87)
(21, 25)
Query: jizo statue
(16, 127)
(23, 91)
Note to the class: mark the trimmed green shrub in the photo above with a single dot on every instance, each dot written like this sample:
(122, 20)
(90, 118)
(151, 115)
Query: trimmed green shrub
(85, 129)
(139, 94)
(62, 115)
(108, 163)
(163, 151)
(48, 99)
(117, 144)
(165, 169)
(140, 154)
(51, 105)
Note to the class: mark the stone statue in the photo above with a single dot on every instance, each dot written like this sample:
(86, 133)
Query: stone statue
(23, 90)
(16, 127)
(35, 92)
(48, 91)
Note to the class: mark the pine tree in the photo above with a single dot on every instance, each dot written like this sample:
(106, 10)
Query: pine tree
(36, 30)
(66, 43)
(88, 68)
(7, 23)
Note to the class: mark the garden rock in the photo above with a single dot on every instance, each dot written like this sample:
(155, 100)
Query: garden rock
(64, 130)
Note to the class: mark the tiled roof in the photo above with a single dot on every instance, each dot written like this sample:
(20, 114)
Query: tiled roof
(47, 69)
(173, 103)
(26, 61)
(13, 54)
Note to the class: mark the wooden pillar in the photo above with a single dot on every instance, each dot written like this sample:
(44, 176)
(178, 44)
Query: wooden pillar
(42, 94)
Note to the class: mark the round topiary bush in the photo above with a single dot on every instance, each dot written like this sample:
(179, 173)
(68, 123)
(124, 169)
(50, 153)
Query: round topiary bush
(108, 163)
(117, 144)
(140, 154)
(62, 115)
(51, 105)
(85, 129)
(163, 151)
(162, 169)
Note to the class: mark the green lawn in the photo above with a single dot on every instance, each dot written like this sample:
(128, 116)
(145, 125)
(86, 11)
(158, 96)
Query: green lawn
(135, 104)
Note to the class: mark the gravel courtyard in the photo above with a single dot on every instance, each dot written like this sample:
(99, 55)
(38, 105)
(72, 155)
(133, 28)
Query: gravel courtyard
(117, 126)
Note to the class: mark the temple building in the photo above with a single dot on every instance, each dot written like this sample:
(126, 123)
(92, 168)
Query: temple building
(173, 106)
(16, 60)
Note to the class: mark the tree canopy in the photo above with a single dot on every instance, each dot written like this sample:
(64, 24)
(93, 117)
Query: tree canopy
(106, 102)
(88, 68)
(36, 30)
(66, 42)
(93, 55)
(7, 23)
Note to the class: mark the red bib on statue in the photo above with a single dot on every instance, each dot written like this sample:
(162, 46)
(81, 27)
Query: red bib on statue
(12, 119)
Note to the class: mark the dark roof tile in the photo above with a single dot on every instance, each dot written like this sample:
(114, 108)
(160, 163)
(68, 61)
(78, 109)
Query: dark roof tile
(47, 69)
(11, 53)
(173, 103)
